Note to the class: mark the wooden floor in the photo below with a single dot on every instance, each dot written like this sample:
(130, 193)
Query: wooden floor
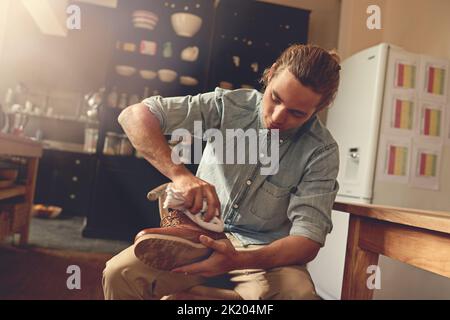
(36, 273)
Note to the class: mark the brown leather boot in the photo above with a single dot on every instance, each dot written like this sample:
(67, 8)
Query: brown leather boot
(175, 244)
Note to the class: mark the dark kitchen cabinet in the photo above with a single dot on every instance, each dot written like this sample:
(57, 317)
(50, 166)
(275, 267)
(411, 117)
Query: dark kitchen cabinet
(152, 50)
(248, 38)
(65, 179)
(120, 208)
(237, 40)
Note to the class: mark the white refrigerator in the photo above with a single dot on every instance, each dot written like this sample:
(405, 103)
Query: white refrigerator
(389, 119)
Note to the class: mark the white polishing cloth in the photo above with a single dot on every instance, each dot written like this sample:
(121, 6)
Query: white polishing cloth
(175, 200)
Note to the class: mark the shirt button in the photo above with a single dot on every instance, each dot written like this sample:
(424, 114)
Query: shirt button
(249, 182)
(235, 206)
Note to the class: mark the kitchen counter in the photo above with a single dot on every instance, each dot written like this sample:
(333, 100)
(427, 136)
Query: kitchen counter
(19, 146)
(65, 146)
(65, 177)
(84, 120)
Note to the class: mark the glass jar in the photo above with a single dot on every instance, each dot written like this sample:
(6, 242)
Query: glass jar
(112, 144)
(90, 140)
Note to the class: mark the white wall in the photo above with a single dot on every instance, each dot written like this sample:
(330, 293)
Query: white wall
(353, 33)
(49, 64)
(421, 26)
(4, 9)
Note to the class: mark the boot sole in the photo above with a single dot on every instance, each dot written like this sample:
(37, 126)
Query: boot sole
(165, 252)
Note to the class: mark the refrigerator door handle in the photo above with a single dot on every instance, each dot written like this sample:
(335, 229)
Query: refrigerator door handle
(354, 153)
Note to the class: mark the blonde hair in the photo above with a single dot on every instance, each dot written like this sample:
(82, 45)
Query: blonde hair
(313, 66)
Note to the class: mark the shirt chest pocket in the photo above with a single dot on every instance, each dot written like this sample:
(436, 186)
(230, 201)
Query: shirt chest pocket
(271, 203)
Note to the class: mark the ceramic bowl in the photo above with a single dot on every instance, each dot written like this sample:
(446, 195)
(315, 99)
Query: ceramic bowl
(46, 212)
(144, 26)
(148, 74)
(145, 13)
(125, 71)
(190, 54)
(186, 24)
(145, 19)
(188, 81)
(167, 75)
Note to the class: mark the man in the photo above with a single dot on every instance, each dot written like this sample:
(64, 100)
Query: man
(283, 218)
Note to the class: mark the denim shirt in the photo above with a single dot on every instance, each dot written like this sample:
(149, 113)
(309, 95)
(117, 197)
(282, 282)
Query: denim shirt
(259, 209)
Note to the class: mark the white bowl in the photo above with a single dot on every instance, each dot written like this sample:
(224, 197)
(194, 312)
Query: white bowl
(166, 75)
(190, 54)
(148, 74)
(186, 24)
(188, 81)
(144, 26)
(145, 20)
(125, 71)
(144, 13)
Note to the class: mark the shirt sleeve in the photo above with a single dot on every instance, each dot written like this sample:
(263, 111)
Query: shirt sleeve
(311, 205)
(181, 112)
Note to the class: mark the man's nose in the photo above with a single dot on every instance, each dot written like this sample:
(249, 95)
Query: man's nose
(279, 114)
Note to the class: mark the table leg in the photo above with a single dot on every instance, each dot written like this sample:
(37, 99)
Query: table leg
(32, 167)
(357, 261)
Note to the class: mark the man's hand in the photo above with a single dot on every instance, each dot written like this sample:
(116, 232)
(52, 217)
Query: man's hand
(194, 190)
(291, 250)
(224, 258)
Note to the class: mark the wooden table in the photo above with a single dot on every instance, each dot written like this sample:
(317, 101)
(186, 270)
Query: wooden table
(416, 237)
(14, 146)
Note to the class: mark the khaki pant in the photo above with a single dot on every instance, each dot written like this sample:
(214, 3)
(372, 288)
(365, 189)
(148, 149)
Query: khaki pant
(126, 277)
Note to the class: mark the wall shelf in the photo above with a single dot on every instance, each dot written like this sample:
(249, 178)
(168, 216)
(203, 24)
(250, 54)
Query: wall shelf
(12, 192)
(55, 117)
